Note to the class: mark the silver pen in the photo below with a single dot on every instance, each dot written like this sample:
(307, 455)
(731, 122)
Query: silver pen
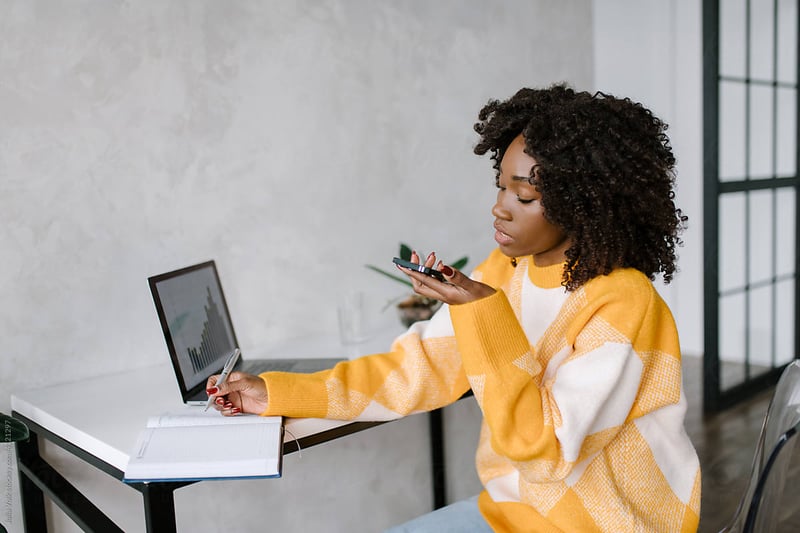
(226, 370)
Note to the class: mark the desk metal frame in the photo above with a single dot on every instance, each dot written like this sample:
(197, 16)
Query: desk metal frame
(38, 478)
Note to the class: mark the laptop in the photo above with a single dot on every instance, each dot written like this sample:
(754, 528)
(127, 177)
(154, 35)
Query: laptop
(199, 332)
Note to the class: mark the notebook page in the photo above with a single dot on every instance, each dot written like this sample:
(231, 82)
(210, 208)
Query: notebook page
(195, 416)
(204, 450)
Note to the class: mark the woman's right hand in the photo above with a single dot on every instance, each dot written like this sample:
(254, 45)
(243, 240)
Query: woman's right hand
(241, 393)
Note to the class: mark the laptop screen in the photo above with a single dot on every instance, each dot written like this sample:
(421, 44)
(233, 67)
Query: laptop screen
(195, 320)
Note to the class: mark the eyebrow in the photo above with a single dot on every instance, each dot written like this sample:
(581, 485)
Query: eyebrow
(515, 178)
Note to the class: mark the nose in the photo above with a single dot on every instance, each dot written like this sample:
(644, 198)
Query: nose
(499, 211)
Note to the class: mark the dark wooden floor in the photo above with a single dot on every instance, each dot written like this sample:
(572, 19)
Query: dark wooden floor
(725, 443)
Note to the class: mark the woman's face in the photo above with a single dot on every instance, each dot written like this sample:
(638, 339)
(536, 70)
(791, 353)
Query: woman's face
(521, 228)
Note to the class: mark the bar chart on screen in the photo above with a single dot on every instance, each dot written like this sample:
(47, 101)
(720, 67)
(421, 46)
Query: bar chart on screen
(214, 337)
(195, 314)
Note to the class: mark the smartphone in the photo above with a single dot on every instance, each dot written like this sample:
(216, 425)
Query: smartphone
(432, 272)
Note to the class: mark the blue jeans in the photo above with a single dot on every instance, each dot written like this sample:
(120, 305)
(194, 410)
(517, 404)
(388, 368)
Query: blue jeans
(458, 517)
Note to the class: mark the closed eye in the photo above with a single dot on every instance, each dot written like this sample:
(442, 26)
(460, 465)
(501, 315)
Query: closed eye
(520, 200)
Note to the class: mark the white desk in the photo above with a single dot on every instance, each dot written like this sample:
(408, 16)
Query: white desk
(98, 421)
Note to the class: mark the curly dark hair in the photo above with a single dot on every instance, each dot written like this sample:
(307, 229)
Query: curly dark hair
(605, 170)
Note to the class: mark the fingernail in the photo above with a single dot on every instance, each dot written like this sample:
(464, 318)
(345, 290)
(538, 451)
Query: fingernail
(228, 405)
(236, 410)
(212, 390)
(430, 255)
(220, 401)
(447, 271)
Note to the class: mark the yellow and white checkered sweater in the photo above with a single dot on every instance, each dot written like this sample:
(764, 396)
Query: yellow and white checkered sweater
(580, 391)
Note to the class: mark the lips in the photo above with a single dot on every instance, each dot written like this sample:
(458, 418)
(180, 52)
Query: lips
(501, 237)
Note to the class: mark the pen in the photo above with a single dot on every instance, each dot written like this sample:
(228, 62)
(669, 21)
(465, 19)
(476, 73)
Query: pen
(229, 364)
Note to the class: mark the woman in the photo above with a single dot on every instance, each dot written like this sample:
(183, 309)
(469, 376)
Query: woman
(571, 353)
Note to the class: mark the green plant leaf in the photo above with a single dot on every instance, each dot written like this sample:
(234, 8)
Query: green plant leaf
(395, 277)
(458, 265)
(13, 430)
(405, 252)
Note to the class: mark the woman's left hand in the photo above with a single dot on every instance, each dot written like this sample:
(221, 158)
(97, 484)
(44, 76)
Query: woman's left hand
(457, 288)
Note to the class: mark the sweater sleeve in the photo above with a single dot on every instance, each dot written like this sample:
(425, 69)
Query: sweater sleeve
(550, 406)
(421, 372)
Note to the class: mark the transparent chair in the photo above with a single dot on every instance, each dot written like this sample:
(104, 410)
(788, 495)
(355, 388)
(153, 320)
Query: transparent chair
(13, 430)
(759, 510)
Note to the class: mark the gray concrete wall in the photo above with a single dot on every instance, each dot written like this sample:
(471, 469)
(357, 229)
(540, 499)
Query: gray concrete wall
(293, 142)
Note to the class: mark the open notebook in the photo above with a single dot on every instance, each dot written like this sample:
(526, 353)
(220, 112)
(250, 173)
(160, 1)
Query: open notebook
(194, 445)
